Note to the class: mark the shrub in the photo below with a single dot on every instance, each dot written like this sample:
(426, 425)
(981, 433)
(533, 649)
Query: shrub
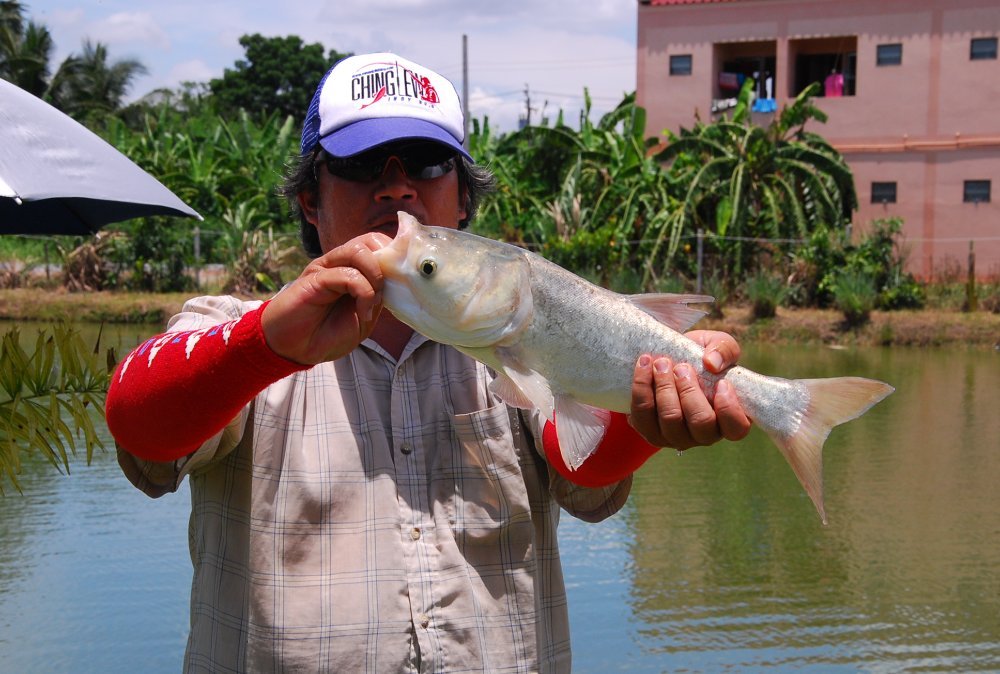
(854, 294)
(766, 293)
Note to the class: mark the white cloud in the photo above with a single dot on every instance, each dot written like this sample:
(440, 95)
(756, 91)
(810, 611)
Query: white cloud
(130, 28)
(194, 70)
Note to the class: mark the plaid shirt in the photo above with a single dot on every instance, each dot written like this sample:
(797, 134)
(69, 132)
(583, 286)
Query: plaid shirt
(374, 515)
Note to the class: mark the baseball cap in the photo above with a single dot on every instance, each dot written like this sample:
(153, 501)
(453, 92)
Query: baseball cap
(367, 100)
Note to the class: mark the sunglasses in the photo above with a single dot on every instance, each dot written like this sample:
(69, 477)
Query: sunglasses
(420, 161)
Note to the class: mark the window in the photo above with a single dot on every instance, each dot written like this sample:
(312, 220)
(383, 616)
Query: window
(983, 49)
(883, 193)
(680, 64)
(889, 54)
(976, 192)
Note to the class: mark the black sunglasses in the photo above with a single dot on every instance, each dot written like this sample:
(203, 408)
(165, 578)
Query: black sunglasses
(420, 161)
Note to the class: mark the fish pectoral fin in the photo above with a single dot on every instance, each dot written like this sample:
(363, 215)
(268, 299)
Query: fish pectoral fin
(524, 389)
(580, 428)
(509, 392)
(671, 309)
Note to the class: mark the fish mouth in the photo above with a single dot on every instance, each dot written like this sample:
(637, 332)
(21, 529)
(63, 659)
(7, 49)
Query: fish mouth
(392, 257)
(388, 222)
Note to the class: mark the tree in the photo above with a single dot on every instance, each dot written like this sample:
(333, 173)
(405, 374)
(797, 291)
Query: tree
(744, 181)
(25, 49)
(272, 77)
(91, 87)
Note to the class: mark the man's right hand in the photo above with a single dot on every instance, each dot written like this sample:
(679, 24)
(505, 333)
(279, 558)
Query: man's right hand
(331, 307)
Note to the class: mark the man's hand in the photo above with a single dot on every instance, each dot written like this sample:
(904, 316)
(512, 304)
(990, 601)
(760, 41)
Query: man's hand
(331, 307)
(669, 407)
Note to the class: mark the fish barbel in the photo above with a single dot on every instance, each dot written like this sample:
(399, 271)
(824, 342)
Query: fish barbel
(568, 347)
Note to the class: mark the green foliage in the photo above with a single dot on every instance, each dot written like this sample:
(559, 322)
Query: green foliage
(592, 199)
(254, 255)
(270, 79)
(89, 86)
(217, 165)
(766, 293)
(743, 182)
(48, 399)
(854, 295)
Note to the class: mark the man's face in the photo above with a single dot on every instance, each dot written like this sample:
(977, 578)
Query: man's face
(364, 193)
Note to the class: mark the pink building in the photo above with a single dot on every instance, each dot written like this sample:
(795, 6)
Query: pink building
(912, 90)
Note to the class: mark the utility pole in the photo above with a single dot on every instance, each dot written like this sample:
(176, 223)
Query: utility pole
(527, 105)
(465, 87)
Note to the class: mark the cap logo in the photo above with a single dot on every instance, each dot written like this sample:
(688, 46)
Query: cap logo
(391, 82)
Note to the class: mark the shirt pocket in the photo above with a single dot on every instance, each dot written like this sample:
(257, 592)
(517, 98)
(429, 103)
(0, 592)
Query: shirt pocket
(491, 506)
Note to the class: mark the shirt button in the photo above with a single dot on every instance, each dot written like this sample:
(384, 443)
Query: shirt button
(406, 448)
(424, 620)
(415, 533)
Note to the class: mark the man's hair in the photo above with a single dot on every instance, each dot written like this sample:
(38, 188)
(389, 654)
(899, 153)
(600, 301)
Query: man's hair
(477, 181)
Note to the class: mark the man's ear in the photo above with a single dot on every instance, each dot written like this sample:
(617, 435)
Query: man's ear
(309, 203)
(463, 201)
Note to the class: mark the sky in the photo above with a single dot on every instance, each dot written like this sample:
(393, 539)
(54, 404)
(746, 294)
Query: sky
(554, 48)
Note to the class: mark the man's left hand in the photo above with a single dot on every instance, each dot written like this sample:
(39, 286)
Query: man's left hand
(669, 407)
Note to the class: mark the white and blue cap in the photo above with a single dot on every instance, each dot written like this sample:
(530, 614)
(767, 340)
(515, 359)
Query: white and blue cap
(368, 100)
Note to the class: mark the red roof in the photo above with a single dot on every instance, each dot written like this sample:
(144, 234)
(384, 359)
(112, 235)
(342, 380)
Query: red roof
(687, 2)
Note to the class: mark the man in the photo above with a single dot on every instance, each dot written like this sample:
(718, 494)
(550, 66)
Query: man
(361, 501)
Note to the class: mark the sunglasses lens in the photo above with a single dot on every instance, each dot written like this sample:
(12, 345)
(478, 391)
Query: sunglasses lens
(421, 161)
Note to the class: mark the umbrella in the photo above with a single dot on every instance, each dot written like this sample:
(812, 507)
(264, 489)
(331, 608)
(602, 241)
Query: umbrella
(58, 177)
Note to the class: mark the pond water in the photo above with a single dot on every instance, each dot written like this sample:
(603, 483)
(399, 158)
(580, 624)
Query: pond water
(718, 562)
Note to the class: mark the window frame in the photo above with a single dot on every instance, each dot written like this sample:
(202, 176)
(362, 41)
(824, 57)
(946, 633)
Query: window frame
(989, 55)
(884, 196)
(675, 68)
(971, 195)
(882, 59)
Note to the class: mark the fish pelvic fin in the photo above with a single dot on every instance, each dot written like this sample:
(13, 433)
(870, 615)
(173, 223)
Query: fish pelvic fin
(671, 309)
(579, 428)
(832, 401)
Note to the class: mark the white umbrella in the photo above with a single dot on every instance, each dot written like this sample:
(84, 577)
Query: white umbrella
(58, 177)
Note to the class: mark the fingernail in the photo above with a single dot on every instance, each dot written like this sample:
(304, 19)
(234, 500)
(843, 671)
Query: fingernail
(683, 371)
(661, 365)
(723, 387)
(645, 360)
(715, 360)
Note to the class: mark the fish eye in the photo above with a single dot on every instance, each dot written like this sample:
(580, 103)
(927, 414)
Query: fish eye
(428, 267)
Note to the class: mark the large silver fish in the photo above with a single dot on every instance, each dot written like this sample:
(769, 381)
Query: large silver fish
(568, 347)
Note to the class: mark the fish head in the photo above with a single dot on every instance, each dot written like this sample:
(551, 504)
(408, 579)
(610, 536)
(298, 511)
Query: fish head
(455, 287)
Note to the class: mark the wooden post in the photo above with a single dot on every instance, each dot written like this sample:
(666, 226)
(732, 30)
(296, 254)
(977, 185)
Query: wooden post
(971, 300)
(701, 257)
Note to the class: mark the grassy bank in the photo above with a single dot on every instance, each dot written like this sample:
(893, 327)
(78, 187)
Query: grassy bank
(932, 327)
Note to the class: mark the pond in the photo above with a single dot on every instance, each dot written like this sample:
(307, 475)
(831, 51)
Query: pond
(718, 561)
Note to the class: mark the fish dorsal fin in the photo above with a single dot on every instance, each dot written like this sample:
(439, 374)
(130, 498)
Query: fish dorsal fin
(580, 428)
(509, 392)
(671, 309)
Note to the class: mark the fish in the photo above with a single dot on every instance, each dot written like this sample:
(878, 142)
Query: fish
(568, 347)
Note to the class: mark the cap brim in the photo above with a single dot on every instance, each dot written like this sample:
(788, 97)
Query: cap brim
(368, 133)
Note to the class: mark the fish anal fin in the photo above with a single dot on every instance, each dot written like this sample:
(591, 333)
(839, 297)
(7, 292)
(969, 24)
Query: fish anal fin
(580, 429)
(832, 402)
(671, 309)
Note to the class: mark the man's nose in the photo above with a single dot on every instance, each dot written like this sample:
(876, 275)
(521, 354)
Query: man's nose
(394, 183)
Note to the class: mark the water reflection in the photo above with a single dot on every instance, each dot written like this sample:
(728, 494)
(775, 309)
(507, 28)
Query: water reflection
(718, 562)
(731, 568)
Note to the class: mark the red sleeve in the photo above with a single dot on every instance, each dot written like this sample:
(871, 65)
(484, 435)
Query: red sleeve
(620, 454)
(178, 389)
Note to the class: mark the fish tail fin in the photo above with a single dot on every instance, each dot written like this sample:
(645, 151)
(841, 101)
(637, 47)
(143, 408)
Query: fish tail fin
(832, 401)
